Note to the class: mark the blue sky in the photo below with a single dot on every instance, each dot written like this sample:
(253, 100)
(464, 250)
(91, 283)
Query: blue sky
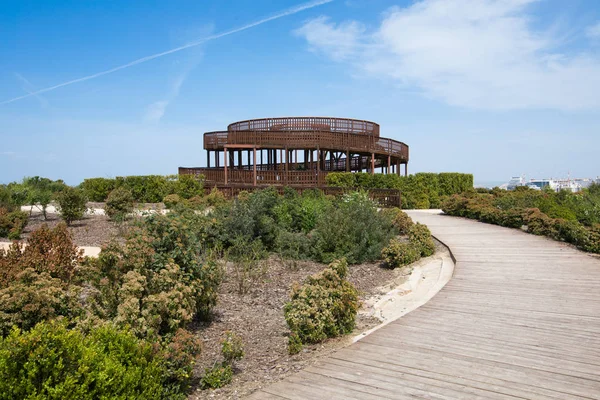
(493, 87)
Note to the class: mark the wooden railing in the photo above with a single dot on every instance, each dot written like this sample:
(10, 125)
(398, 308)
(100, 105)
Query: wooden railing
(288, 124)
(308, 140)
(244, 176)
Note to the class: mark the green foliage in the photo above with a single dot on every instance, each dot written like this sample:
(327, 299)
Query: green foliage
(420, 236)
(294, 344)
(71, 204)
(12, 223)
(398, 253)
(324, 306)
(400, 219)
(53, 362)
(159, 280)
(145, 189)
(351, 228)
(35, 281)
(98, 189)
(119, 204)
(422, 190)
(180, 354)
(172, 200)
(232, 347)
(188, 186)
(217, 376)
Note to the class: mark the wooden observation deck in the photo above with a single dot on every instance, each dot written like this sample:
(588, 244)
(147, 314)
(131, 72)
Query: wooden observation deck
(297, 151)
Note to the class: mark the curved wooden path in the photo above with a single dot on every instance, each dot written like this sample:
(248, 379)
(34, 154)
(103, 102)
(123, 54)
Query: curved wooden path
(520, 319)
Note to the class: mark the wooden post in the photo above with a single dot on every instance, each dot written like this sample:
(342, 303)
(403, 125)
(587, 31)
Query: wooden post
(372, 163)
(287, 164)
(389, 164)
(217, 159)
(254, 160)
(318, 164)
(406, 169)
(225, 163)
(240, 164)
(347, 161)
(207, 158)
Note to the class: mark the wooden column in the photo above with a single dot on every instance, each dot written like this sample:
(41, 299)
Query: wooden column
(406, 169)
(389, 164)
(318, 165)
(240, 164)
(217, 159)
(254, 162)
(287, 165)
(347, 161)
(225, 163)
(372, 163)
(207, 158)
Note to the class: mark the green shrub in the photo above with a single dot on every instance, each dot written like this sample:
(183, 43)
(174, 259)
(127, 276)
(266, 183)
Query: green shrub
(232, 347)
(52, 362)
(420, 236)
(324, 306)
(12, 223)
(98, 189)
(71, 204)
(294, 344)
(398, 254)
(217, 376)
(172, 200)
(188, 186)
(539, 223)
(179, 358)
(400, 219)
(351, 228)
(119, 204)
(159, 280)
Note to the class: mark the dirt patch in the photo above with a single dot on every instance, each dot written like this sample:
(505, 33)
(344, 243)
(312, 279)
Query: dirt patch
(258, 318)
(92, 230)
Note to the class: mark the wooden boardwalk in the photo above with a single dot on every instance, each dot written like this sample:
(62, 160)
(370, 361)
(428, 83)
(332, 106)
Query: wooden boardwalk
(520, 319)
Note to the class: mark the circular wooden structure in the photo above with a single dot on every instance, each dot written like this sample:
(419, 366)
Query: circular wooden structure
(297, 151)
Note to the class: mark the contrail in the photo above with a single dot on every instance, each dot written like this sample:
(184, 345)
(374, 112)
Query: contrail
(281, 14)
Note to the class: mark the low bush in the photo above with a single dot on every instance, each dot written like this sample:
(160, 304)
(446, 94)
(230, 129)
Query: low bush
(232, 347)
(219, 375)
(12, 223)
(400, 220)
(539, 223)
(398, 253)
(294, 344)
(172, 200)
(419, 235)
(324, 306)
(119, 204)
(53, 362)
(71, 204)
(180, 355)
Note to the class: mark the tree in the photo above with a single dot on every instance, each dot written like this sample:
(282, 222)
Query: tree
(71, 204)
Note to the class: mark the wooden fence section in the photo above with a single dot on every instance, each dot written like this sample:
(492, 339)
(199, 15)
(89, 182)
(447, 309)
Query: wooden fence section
(520, 319)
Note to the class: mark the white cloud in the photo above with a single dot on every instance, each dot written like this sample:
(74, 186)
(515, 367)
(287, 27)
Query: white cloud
(470, 53)
(593, 31)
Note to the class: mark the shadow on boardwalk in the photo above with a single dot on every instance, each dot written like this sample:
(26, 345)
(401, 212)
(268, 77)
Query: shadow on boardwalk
(519, 319)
